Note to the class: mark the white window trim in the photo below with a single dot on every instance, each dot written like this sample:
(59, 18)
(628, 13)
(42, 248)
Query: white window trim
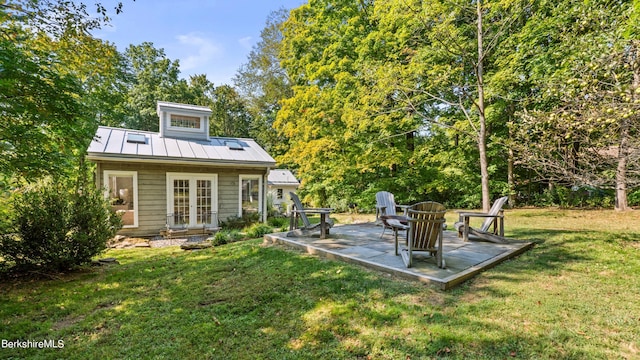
(134, 174)
(179, 128)
(260, 194)
(192, 177)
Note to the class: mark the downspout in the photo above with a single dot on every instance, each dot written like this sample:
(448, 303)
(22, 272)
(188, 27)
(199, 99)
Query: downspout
(264, 195)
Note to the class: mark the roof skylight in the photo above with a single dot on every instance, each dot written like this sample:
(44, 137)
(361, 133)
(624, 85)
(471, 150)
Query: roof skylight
(233, 145)
(136, 138)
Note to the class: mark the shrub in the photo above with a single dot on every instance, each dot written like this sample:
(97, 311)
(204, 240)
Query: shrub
(278, 222)
(227, 236)
(235, 222)
(258, 230)
(55, 228)
(220, 238)
(235, 235)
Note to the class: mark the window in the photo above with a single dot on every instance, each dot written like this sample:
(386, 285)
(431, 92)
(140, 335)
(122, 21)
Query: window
(191, 198)
(279, 194)
(183, 121)
(250, 194)
(122, 192)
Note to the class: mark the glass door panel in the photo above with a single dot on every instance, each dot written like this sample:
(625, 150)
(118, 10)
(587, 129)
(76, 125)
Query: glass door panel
(204, 201)
(181, 201)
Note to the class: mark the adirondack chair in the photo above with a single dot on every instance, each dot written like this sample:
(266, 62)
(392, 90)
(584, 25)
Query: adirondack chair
(386, 210)
(426, 225)
(494, 217)
(300, 211)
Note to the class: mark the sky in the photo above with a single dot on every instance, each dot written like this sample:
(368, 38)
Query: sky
(212, 37)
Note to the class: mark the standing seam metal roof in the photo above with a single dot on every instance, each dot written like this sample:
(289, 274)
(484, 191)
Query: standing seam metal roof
(282, 177)
(112, 143)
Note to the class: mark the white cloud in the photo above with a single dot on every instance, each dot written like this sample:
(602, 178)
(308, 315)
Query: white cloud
(245, 42)
(197, 51)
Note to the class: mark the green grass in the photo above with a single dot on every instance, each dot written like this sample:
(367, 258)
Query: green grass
(575, 295)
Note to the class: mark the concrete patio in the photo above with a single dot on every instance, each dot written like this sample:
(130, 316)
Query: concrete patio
(361, 244)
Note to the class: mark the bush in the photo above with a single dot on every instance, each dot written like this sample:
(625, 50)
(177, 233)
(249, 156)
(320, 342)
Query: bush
(258, 230)
(235, 222)
(227, 236)
(220, 238)
(235, 235)
(55, 228)
(278, 222)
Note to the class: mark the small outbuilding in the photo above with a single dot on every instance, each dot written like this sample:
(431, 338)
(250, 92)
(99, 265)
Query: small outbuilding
(180, 175)
(281, 182)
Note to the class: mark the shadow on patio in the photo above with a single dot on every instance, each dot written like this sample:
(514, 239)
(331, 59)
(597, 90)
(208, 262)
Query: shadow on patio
(361, 244)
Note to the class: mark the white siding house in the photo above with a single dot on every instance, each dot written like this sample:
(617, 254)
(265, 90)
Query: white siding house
(180, 173)
(281, 182)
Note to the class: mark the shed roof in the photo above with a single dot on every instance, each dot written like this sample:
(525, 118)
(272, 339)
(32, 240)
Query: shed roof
(282, 177)
(118, 144)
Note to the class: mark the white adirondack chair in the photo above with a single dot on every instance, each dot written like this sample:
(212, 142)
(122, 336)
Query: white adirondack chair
(494, 217)
(386, 209)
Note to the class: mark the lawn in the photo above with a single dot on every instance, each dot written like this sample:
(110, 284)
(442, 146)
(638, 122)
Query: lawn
(575, 295)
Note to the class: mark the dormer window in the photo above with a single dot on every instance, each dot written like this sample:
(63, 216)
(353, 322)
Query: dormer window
(183, 121)
(186, 122)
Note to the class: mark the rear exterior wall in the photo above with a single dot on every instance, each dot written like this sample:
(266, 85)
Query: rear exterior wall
(152, 190)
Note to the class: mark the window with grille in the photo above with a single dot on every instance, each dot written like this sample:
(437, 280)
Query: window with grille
(187, 122)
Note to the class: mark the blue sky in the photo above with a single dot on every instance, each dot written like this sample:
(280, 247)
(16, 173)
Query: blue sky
(211, 37)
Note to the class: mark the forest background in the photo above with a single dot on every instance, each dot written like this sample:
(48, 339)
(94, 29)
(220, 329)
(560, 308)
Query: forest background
(453, 101)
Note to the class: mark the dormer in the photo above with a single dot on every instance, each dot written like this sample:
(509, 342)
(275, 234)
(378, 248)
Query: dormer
(183, 121)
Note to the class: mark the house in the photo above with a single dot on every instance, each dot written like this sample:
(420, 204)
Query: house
(180, 175)
(280, 183)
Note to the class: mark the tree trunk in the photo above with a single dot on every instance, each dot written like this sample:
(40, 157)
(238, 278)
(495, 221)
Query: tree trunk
(623, 147)
(482, 135)
(621, 171)
(511, 181)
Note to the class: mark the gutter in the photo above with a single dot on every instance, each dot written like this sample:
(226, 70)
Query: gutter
(180, 161)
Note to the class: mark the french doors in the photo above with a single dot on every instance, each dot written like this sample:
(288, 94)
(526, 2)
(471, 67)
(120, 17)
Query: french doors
(191, 198)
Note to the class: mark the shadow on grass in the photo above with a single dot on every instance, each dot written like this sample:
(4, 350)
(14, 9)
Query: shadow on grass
(245, 301)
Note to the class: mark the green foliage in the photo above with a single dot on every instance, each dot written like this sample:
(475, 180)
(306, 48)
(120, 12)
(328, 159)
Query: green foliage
(238, 223)
(634, 197)
(246, 301)
(57, 228)
(278, 222)
(44, 123)
(156, 77)
(220, 238)
(227, 236)
(262, 83)
(258, 230)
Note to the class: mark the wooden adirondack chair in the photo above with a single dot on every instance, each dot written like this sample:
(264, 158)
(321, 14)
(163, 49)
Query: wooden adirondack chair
(494, 217)
(300, 211)
(426, 224)
(386, 209)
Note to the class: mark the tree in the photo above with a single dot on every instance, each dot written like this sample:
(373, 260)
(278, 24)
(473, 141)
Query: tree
(229, 116)
(47, 67)
(329, 140)
(43, 123)
(581, 127)
(262, 82)
(155, 77)
(449, 57)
